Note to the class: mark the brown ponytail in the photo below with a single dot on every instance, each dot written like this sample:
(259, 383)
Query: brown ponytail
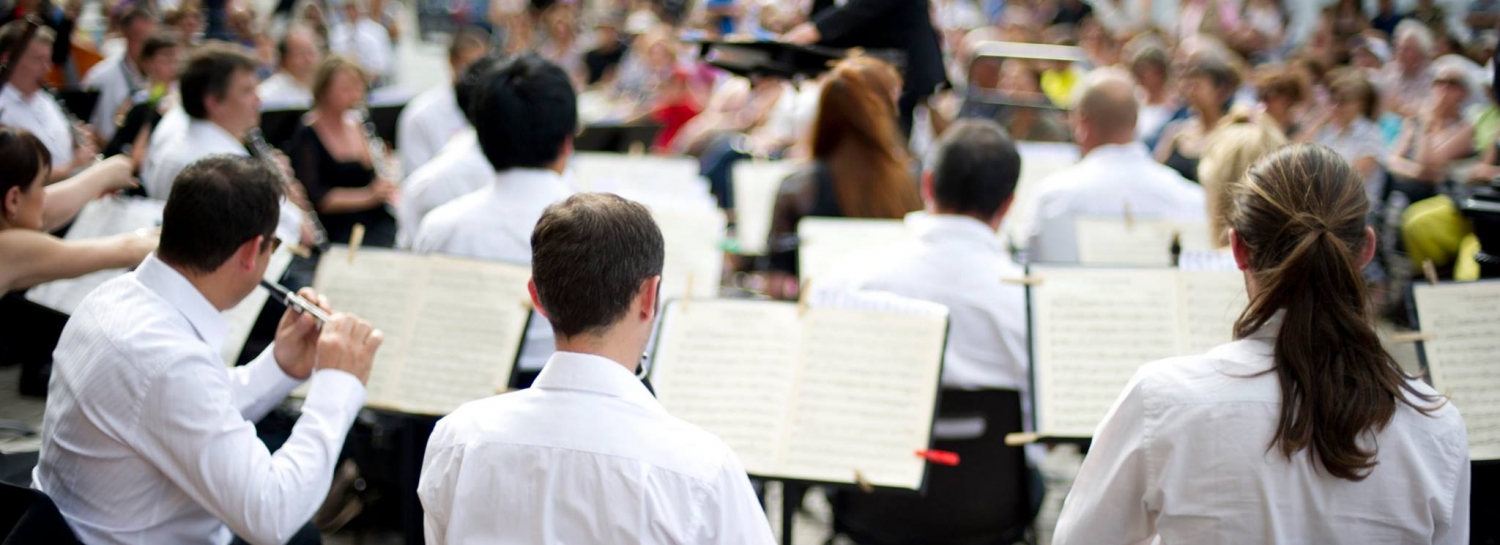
(1301, 215)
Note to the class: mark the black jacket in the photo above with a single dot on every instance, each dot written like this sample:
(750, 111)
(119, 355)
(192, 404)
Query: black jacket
(886, 24)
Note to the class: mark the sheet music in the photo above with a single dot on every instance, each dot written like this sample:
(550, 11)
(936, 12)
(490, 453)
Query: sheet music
(619, 174)
(692, 243)
(850, 385)
(1210, 304)
(104, 217)
(729, 366)
(1142, 242)
(1461, 357)
(828, 245)
(755, 186)
(243, 316)
(1092, 329)
(1038, 161)
(452, 326)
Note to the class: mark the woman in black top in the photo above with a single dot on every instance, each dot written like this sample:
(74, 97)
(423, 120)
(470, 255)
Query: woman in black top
(331, 157)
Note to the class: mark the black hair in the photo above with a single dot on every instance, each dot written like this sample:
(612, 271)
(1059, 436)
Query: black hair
(589, 255)
(524, 110)
(469, 82)
(469, 37)
(975, 169)
(208, 72)
(24, 157)
(217, 204)
(158, 42)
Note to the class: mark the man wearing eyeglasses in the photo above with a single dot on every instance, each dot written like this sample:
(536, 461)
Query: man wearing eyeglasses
(150, 437)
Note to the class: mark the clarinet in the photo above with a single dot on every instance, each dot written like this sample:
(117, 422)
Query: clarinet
(263, 151)
(379, 159)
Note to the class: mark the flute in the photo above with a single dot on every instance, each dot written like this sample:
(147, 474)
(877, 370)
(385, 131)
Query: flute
(295, 302)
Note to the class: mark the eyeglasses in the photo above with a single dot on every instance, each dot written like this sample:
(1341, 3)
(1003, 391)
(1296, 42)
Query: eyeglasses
(275, 243)
(1448, 81)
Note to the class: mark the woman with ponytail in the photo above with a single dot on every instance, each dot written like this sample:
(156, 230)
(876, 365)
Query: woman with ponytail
(1303, 430)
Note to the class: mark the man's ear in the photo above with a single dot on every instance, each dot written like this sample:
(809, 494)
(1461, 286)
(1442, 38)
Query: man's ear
(1003, 210)
(248, 253)
(536, 300)
(646, 298)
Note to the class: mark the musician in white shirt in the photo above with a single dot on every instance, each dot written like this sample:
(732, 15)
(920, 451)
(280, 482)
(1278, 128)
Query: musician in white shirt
(525, 113)
(1304, 429)
(218, 96)
(1116, 176)
(433, 117)
(291, 86)
(587, 455)
(458, 169)
(150, 438)
(120, 77)
(23, 103)
(362, 39)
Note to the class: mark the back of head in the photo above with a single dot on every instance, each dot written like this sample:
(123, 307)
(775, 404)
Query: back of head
(856, 135)
(216, 205)
(469, 82)
(525, 111)
(1239, 142)
(1105, 101)
(208, 72)
(590, 255)
(158, 42)
(24, 157)
(1300, 217)
(975, 169)
(467, 43)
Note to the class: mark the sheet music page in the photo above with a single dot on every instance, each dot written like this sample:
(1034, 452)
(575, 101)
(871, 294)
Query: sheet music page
(728, 366)
(692, 242)
(1038, 161)
(243, 316)
(828, 245)
(619, 173)
(383, 287)
(1092, 329)
(755, 186)
(462, 343)
(1211, 302)
(1461, 357)
(1112, 241)
(103, 217)
(867, 391)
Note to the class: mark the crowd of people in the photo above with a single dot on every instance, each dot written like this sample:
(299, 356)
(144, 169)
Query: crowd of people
(1326, 163)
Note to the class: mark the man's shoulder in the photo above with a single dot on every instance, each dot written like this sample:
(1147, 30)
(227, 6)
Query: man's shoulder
(97, 74)
(126, 319)
(451, 218)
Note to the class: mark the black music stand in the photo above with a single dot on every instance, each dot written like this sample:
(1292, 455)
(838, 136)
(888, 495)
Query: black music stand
(616, 137)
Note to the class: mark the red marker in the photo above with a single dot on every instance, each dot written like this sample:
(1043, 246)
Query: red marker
(939, 457)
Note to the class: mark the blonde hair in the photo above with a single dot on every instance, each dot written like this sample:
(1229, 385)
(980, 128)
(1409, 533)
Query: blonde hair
(333, 64)
(1238, 142)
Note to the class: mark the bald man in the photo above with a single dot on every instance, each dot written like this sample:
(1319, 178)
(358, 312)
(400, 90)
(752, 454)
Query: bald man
(1116, 172)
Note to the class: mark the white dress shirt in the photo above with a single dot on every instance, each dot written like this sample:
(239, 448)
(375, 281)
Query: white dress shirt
(425, 126)
(458, 170)
(1100, 185)
(495, 223)
(1184, 457)
(173, 124)
(116, 80)
(365, 41)
(586, 455)
(282, 92)
(201, 139)
(149, 438)
(41, 115)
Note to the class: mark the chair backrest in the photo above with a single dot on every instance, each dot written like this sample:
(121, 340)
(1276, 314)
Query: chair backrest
(985, 499)
(29, 516)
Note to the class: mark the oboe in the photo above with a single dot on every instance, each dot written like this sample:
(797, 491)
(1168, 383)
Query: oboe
(256, 141)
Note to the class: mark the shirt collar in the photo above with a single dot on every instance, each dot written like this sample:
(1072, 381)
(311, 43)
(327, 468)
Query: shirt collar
(207, 133)
(1133, 150)
(594, 374)
(531, 180)
(952, 227)
(10, 94)
(177, 291)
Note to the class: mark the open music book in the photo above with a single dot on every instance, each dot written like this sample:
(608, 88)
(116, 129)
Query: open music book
(1092, 328)
(1460, 355)
(827, 245)
(104, 217)
(1141, 242)
(452, 326)
(849, 385)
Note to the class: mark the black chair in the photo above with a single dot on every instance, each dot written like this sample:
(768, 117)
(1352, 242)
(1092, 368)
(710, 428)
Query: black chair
(29, 516)
(28, 334)
(985, 500)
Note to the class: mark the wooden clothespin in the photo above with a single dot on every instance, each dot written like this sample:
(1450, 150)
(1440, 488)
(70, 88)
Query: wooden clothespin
(802, 297)
(1129, 217)
(1406, 337)
(299, 251)
(637, 149)
(526, 304)
(1021, 439)
(1028, 280)
(356, 238)
(864, 484)
(1430, 271)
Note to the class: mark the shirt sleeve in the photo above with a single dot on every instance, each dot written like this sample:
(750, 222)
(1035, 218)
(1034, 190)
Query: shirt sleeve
(1108, 502)
(259, 385)
(207, 448)
(436, 487)
(736, 516)
(1456, 531)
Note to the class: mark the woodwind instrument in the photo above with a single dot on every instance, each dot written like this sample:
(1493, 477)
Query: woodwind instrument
(379, 158)
(263, 151)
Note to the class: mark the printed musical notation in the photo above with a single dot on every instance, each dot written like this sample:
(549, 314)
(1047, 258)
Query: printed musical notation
(99, 218)
(852, 384)
(1463, 320)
